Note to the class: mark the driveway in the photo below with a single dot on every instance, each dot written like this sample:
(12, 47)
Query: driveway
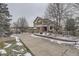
(42, 47)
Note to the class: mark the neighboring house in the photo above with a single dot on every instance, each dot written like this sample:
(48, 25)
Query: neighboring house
(43, 25)
(17, 30)
(30, 29)
(14, 30)
(77, 23)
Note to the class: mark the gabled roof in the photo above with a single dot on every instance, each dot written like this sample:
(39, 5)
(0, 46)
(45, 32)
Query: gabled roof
(39, 18)
(49, 22)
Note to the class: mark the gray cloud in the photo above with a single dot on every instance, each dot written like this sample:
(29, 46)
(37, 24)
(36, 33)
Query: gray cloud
(29, 10)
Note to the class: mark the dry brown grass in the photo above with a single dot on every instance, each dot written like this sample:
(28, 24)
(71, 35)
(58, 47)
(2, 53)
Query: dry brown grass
(2, 44)
(5, 39)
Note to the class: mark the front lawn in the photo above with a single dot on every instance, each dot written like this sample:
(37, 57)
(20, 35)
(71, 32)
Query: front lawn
(12, 48)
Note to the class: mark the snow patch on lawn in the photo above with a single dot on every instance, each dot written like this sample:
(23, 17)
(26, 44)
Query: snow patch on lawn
(34, 35)
(19, 43)
(17, 39)
(52, 40)
(57, 41)
(27, 54)
(8, 46)
(66, 38)
(2, 51)
(60, 42)
(77, 46)
(15, 50)
(61, 37)
(22, 50)
(44, 34)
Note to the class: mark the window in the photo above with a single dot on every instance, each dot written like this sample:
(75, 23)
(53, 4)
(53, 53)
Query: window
(50, 27)
(39, 21)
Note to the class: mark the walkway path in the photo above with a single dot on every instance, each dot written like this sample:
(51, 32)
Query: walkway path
(41, 47)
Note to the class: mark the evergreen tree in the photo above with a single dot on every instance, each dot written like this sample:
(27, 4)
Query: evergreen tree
(4, 18)
(70, 26)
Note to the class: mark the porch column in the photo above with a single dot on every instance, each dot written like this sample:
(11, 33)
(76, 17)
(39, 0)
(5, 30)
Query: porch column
(41, 29)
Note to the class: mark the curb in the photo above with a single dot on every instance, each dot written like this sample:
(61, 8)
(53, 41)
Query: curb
(26, 47)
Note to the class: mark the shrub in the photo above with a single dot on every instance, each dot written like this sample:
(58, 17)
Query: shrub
(1, 44)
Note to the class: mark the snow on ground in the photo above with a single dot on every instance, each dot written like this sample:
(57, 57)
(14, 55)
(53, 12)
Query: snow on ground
(15, 50)
(52, 40)
(58, 36)
(45, 34)
(34, 35)
(17, 40)
(61, 42)
(19, 44)
(27, 54)
(8, 46)
(77, 45)
(67, 37)
(22, 50)
(2, 51)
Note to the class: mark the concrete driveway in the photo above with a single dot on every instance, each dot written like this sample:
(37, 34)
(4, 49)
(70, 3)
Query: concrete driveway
(41, 47)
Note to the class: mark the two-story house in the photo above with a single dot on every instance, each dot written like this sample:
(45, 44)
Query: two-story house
(43, 25)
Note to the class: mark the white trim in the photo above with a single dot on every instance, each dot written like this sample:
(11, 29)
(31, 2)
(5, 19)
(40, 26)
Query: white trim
(41, 26)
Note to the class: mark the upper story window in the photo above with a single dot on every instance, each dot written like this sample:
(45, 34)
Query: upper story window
(39, 21)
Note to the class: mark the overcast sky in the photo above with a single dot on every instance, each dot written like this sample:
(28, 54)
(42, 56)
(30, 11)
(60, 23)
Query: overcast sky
(28, 10)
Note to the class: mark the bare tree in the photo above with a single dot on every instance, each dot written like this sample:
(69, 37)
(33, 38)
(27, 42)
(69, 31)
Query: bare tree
(21, 24)
(61, 11)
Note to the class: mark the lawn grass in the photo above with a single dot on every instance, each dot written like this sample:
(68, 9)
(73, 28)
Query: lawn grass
(1, 44)
(19, 50)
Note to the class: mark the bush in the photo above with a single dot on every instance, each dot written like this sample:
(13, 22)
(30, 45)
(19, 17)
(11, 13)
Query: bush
(77, 33)
(1, 44)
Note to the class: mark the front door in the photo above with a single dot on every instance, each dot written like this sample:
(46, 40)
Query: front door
(45, 29)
